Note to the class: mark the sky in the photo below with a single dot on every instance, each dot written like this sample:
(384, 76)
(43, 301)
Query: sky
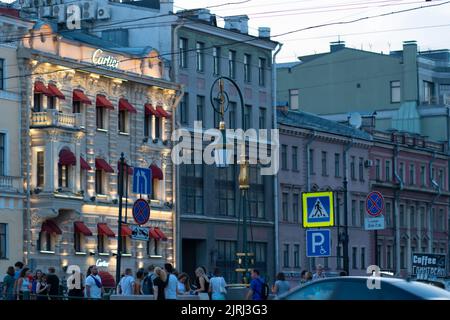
(430, 27)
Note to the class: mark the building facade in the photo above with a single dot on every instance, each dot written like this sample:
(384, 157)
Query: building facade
(11, 182)
(411, 173)
(407, 90)
(209, 197)
(315, 155)
(85, 103)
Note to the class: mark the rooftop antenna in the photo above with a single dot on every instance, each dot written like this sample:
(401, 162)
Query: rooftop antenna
(389, 45)
(370, 46)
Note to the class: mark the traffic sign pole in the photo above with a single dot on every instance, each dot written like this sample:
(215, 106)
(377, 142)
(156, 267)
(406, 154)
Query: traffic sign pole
(120, 192)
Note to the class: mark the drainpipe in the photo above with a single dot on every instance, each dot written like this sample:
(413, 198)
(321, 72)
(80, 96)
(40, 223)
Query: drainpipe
(308, 176)
(436, 187)
(397, 212)
(275, 180)
(175, 171)
(345, 238)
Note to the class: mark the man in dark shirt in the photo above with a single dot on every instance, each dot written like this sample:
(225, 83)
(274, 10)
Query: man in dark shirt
(53, 281)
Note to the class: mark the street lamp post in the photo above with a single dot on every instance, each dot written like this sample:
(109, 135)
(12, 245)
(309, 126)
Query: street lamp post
(120, 187)
(243, 257)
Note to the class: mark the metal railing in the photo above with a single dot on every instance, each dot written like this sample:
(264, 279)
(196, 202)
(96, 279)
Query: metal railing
(54, 118)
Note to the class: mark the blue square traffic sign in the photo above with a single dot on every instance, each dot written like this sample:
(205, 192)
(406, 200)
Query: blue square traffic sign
(318, 210)
(318, 243)
(142, 181)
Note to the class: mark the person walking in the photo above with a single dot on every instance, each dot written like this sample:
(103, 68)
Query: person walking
(23, 285)
(36, 279)
(53, 282)
(147, 286)
(172, 283)
(281, 285)
(42, 288)
(93, 284)
(257, 287)
(8, 284)
(127, 283)
(308, 277)
(202, 283)
(138, 284)
(319, 273)
(217, 286)
(159, 284)
(183, 286)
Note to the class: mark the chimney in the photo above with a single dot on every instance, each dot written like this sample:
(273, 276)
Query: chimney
(410, 77)
(204, 14)
(237, 23)
(264, 33)
(337, 45)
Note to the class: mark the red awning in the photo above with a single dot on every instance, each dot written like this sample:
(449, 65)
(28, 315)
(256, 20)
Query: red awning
(50, 226)
(67, 158)
(79, 95)
(163, 112)
(161, 234)
(55, 91)
(154, 234)
(39, 87)
(149, 110)
(124, 105)
(156, 172)
(130, 168)
(103, 102)
(103, 165)
(125, 231)
(84, 165)
(80, 227)
(103, 229)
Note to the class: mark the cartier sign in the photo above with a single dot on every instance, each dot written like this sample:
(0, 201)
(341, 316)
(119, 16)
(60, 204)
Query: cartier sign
(101, 59)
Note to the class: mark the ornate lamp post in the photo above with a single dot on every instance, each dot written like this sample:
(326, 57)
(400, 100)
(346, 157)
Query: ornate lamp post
(222, 160)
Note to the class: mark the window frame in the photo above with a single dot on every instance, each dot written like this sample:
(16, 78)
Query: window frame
(294, 93)
(261, 72)
(200, 56)
(294, 150)
(183, 52)
(63, 176)
(3, 241)
(232, 64)
(216, 61)
(395, 85)
(99, 183)
(247, 68)
(2, 74)
(40, 169)
(123, 121)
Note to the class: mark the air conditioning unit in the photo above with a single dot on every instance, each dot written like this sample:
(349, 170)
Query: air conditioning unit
(368, 163)
(103, 13)
(88, 10)
(446, 99)
(45, 12)
(59, 13)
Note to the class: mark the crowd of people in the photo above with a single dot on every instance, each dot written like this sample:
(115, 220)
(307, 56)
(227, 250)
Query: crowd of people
(163, 283)
(20, 283)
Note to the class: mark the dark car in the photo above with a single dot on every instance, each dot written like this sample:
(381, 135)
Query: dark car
(357, 288)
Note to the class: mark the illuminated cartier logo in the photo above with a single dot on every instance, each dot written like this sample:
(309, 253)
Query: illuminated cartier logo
(101, 59)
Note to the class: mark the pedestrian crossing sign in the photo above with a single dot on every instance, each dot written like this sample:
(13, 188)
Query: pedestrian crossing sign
(318, 209)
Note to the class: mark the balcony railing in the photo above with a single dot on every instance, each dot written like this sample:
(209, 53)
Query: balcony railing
(54, 118)
(8, 183)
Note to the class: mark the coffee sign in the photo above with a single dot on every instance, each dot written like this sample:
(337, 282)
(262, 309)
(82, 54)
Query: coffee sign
(101, 59)
(428, 266)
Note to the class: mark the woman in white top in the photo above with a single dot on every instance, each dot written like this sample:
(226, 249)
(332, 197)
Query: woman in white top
(24, 285)
(183, 286)
(217, 286)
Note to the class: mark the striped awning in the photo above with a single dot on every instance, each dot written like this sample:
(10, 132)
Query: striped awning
(80, 227)
(124, 105)
(55, 91)
(156, 172)
(79, 95)
(103, 229)
(103, 102)
(101, 164)
(50, 226)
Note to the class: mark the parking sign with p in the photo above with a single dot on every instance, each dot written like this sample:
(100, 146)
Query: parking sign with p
(318, 243)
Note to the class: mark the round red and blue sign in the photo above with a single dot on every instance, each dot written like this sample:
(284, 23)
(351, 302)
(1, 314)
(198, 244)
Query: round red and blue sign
(374, 204)
(141, 211)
